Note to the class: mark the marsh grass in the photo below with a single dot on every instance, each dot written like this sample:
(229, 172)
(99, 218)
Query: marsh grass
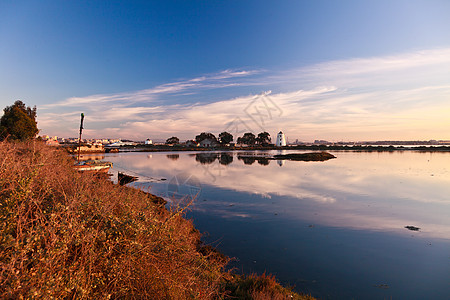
(71, 235)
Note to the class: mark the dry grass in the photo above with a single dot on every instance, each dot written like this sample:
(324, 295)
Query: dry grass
(69, 235)
(260, 287)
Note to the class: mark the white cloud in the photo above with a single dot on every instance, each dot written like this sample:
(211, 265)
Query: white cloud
(211, 81)
(393, 97)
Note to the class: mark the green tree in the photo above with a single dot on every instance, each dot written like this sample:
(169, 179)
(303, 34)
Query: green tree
(205, 135)
(225, 137)
(18, 122)
(248, 138)
(173, 140)
(263, 138)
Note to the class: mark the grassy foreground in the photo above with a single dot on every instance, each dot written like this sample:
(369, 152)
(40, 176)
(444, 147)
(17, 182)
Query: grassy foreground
(68, 235)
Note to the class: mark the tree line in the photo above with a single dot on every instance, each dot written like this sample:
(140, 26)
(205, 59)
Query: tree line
(224, 138)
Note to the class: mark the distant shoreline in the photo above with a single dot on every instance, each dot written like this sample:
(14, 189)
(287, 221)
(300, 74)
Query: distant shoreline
(165, 148)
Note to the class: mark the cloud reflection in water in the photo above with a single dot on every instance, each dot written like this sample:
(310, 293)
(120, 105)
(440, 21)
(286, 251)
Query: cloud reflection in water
(371, 191)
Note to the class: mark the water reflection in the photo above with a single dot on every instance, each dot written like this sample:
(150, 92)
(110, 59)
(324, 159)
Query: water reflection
(173, 156)
(248, 160)
(95, 156)
(372, 191)
(183, 187)
(263, 161)
(335, 229)
(225, 158)
(206, 158)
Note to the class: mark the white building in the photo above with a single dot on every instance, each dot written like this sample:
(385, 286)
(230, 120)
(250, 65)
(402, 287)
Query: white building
(148, 142)
(209, 143)
(281, 139)
(280, 162)
(191, 143)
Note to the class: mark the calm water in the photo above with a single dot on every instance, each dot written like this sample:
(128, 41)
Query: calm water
(334, 229)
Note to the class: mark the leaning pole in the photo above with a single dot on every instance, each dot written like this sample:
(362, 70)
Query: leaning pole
(79, 140)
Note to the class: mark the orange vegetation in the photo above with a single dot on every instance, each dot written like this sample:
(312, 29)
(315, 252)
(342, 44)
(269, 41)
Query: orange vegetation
(69, 235)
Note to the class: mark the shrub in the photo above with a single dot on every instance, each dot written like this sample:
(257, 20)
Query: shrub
(260, 287)
(18, 122)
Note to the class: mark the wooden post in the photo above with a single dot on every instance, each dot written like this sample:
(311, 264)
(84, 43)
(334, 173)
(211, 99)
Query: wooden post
(79, 140)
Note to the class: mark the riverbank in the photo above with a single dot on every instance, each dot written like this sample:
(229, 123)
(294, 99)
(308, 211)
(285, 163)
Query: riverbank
(68, 234)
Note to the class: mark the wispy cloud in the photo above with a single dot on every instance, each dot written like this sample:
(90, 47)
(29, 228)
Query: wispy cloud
(191, 86)
(403, 96)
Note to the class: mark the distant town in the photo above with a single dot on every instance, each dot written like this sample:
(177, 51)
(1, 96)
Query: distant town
(56, 141)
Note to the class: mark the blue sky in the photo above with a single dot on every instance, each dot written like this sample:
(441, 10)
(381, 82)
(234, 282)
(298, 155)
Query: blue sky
(335, 70)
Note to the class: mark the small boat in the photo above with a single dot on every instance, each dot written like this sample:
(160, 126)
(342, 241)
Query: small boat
(93, 166)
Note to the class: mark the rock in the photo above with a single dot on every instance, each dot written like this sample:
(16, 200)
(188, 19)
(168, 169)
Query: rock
(413, 228)
(314, 156)
(125, 178)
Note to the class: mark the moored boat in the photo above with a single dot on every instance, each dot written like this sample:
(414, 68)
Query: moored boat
(93, 166)
(98, 166)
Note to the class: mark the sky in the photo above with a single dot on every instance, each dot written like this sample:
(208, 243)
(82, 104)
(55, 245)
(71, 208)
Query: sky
(342, 70)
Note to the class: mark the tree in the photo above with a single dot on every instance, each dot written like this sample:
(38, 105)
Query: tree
(263, 138)
(225, 137)
(173, 140)
(18, 122)
(248, 138)
(205, 135)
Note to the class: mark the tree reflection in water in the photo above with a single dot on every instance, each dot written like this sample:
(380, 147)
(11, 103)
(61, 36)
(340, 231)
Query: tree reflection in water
(206, 158)
(264, 161)
(248, 160)
(173, 156)
(225, 158)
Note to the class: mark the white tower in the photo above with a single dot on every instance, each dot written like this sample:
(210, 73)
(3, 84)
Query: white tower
(281, 139)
